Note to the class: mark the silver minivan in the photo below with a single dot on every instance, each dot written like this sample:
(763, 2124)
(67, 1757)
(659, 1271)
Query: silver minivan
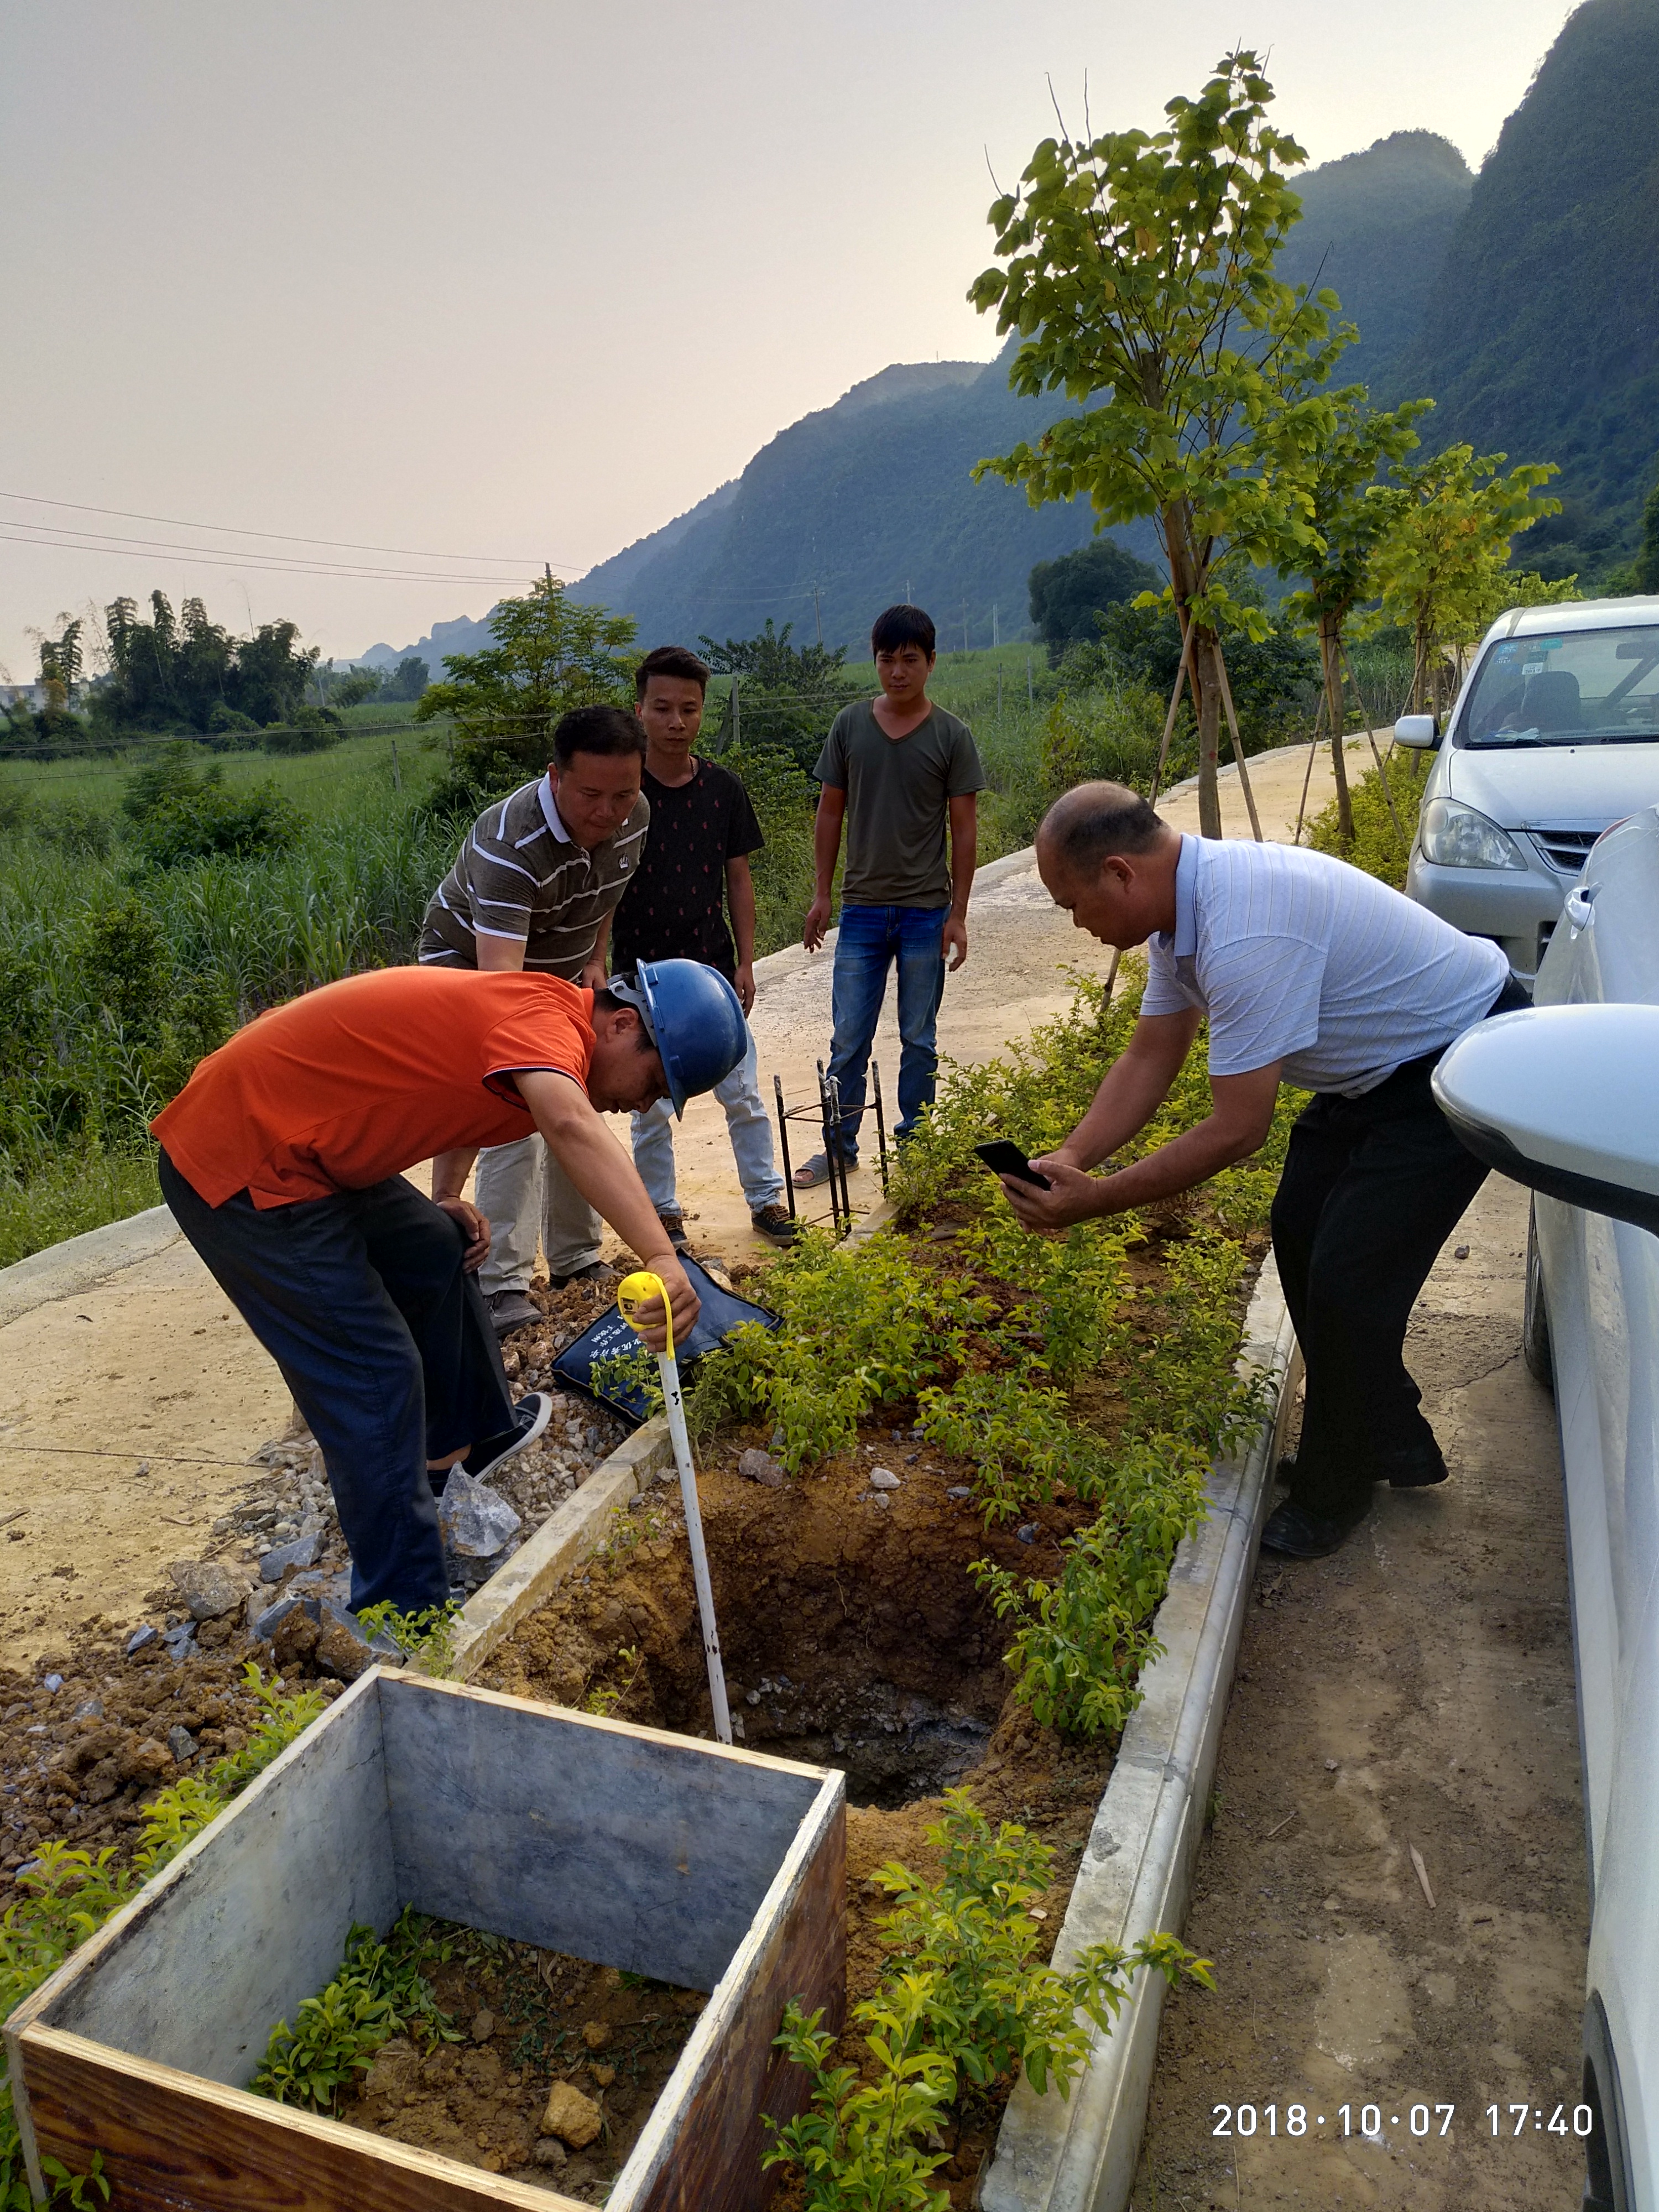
(1555, 735)
(1562, 1098)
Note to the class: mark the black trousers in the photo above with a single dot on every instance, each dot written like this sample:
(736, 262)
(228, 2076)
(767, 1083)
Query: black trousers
(363, 1301)
(1371, 1189)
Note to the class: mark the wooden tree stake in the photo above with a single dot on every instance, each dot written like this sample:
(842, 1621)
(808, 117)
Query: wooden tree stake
(1382, 771)
(1307, 776)
(1169, 718)
(1238, 744)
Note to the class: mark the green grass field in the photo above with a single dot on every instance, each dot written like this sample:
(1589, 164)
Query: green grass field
(113, 976)
(325, 782)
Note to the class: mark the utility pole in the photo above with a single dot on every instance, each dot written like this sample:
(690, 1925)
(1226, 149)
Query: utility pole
(996, 635)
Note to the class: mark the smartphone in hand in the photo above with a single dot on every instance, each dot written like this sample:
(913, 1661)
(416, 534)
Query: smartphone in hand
(1004, 1158)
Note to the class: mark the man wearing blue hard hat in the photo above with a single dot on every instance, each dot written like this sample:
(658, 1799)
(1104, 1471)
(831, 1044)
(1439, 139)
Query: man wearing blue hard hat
(283, 1159)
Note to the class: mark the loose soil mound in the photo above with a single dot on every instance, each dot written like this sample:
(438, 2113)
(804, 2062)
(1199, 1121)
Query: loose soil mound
(532, 2020)
(80, 1762)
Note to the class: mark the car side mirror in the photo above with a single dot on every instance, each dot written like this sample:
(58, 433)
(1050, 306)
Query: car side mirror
(1421, 732)
(1561, 1098)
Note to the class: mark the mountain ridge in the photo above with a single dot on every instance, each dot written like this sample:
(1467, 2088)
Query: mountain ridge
(1457, 281)
(800, 514)
(1540, 336)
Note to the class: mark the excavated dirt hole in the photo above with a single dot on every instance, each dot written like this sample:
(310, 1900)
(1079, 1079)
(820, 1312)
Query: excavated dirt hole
(852, 1632)
(895, 1745)
(881, 1660)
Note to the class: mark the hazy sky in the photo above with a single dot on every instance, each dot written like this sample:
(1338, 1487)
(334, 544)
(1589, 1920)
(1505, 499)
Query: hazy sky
(521, 279)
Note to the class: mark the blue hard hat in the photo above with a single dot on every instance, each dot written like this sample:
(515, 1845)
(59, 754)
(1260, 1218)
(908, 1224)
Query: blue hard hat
(695, 1019)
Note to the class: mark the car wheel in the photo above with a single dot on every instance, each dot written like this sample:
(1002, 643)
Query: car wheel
(1535, 1321)
(1607, 2171)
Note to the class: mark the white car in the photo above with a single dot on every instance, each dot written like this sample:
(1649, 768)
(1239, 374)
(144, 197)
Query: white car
(1566, 1099)
(1555, 734)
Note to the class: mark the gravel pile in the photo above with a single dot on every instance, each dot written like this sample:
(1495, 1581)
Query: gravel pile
(580, 1435)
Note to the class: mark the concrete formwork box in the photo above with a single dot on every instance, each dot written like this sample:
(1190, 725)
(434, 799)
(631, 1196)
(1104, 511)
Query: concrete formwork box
(717, 1870)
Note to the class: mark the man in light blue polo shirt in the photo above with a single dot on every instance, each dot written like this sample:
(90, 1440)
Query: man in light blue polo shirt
(1313, 974)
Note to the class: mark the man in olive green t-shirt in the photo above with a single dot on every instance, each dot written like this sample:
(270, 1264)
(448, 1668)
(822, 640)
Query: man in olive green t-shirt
(899, 770)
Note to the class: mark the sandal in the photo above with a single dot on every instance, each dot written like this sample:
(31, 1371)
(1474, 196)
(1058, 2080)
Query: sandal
(817, 1170)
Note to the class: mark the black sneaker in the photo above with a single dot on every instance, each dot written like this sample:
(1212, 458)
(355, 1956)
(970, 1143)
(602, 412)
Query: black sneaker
(510, 1309)
(675, 1225)
(775, 1223)
(596, 1271)
(1294, 1533)
(530, 1415)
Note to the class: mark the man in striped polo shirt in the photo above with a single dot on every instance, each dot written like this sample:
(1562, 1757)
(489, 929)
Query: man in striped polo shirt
(1310, 973)
(534, 887)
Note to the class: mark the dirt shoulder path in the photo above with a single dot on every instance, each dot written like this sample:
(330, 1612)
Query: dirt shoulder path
(128, 1412)
(1413, 1692)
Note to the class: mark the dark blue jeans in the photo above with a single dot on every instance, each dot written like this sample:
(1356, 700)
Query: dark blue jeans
(362, 1301)
(870, 940)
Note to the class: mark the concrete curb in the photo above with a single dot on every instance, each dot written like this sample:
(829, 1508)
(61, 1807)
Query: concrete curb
(77, 1264)
(558, 1547)
(1080, 2155)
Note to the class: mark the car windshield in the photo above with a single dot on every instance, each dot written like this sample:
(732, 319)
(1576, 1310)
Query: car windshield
(1587, 686)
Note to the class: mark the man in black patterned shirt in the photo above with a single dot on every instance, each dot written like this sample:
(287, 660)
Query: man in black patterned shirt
(696, 866)
(533, 887)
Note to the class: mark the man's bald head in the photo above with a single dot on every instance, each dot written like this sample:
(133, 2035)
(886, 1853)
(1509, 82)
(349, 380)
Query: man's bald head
(1095, 819)
(1109, 859)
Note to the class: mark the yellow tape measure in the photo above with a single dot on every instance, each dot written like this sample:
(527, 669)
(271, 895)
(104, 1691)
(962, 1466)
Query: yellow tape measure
(636, 1290)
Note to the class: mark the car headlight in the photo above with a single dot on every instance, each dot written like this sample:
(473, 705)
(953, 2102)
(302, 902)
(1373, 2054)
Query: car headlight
(1455, 836)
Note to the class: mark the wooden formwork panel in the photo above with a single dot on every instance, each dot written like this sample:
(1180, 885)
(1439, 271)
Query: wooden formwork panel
(713, 1868)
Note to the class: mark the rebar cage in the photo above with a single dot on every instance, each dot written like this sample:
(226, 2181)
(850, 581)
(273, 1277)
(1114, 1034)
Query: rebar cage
(830, 1116)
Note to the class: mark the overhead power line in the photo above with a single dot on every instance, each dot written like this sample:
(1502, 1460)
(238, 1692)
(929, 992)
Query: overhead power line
(276, 564)
(514, 561)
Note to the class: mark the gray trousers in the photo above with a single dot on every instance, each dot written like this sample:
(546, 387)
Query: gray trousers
(527, 1195)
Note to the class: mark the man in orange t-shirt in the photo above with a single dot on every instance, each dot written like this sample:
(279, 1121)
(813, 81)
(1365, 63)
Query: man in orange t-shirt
(282, 1160)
